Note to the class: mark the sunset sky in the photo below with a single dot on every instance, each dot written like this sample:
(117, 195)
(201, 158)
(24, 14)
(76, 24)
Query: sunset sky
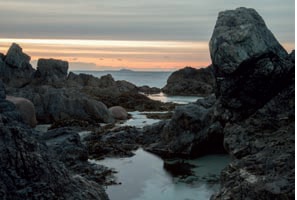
(136, 34)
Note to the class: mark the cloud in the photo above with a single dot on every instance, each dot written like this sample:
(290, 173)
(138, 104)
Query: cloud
(133, 19)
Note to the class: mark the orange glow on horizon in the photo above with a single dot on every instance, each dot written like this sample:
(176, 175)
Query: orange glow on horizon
(115, 54)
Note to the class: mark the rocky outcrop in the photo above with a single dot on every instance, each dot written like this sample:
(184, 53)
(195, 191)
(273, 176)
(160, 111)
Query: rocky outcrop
(255, 81)
(250, 65)
(190, 81)
(26, 109)
(51, 70)
(28, 171)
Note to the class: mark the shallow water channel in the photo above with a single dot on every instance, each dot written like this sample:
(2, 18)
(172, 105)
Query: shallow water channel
(143, 177)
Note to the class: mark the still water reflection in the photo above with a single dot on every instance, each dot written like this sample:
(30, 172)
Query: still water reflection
(144, 178)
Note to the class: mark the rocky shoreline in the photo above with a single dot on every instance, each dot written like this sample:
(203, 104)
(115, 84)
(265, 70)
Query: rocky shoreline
(251, 117)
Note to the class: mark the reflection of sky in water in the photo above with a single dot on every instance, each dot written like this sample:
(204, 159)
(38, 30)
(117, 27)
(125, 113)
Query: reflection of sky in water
(175, 99)
(139, 119)
(143, 178)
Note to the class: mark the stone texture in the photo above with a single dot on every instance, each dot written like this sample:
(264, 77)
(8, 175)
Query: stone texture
(191, 81)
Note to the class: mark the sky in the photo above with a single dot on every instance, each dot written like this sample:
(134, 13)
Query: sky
(136, 34)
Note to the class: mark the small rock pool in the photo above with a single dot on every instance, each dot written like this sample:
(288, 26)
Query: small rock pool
(143, 177)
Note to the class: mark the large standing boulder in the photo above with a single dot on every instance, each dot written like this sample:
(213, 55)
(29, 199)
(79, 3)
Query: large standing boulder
(249, 63)
(51, 69)
(190, 81)
(26, 109)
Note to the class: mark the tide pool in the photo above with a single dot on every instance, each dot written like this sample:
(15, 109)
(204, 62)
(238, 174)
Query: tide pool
(143, 177)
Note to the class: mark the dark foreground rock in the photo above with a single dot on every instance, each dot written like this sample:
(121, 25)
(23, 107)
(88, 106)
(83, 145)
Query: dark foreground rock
(191, 81)
(28, 170)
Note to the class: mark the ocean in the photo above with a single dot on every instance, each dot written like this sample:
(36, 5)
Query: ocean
(138, 78)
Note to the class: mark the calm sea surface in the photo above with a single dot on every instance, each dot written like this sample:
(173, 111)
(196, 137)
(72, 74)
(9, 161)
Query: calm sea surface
(139, 78)
(152, 79)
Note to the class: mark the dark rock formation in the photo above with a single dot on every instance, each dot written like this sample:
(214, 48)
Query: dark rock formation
(255, 79)
(250, 65)
(51, 70)
(28, 171)
(190, 81)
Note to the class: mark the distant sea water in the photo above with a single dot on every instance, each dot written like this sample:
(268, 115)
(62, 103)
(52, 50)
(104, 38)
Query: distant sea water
(138, 78)
(141, 78)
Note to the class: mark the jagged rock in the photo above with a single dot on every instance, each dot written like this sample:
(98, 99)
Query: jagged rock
(118, 112)
(190, 81)
(51, 69)
(16, 58)
(250, 65)
(26, 109)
